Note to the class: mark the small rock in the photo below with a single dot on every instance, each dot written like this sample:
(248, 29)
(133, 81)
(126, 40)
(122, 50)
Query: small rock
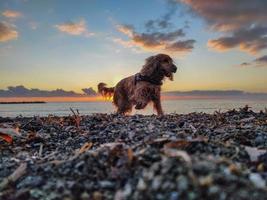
(182, 183)
(141, 184)
(96, 196)
(30, 181)
(174, 196)
(106, 184)
(257, 180)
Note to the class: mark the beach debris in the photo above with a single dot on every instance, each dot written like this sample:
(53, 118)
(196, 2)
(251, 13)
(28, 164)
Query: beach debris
(193, 128)
(254, 153)
(85, 147)
(247, 119)
(257, 180)
(245, 109)
(76, 117)
(130, 155)
(19, 172)
(8, 134)
(40, 150)
(108, 156)
(171, 152)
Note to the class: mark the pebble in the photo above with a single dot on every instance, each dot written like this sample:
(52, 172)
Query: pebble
(257, 180)
(141, 185)
(127, 159)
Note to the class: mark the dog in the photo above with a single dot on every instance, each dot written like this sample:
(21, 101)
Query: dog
(142, 88)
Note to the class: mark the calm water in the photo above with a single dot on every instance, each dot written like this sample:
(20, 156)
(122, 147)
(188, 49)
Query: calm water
(169, 106)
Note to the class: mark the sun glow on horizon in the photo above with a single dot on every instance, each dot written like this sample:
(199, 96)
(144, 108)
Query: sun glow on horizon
(54, 99)
(93, 98)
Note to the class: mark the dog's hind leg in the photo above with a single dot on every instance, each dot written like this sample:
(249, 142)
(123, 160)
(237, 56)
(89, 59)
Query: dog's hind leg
(122, 103)
(126, 108)
(141, 105)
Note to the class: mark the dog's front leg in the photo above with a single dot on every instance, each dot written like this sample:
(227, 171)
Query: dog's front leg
(157, 106)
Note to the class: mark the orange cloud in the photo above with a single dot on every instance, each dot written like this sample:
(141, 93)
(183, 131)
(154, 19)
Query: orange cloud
(159, 35)
(229, 15)
(126, 29)
(123, 42)
(74, 28)
(244, 23)
(7, 32)
(11, 14)
(250, 40)
(155, 41)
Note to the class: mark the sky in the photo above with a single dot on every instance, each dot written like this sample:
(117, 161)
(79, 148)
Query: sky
(74, 45)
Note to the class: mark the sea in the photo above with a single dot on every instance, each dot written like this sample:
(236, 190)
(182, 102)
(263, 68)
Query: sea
(180, 106)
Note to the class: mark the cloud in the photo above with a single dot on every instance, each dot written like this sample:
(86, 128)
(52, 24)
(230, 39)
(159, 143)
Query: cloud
(11, 14)
(243, 23)
(245, 64)
(230, 15)
(154, 41)
(159, 35)
(21, 91)
(181, 46)
(258, 62)
(164, 21)
(7, 32)
(251, 40)
(126, 29)
(261, 60)
(123, 42)
(74, 28)
(89, 91)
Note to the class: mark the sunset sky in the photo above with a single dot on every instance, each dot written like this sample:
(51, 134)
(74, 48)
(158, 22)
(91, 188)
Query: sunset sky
(50, 44)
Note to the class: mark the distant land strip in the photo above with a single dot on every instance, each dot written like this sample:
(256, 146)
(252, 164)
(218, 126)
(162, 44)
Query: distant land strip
(23, 102)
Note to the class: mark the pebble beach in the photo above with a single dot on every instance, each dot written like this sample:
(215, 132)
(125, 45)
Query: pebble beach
(107, 156)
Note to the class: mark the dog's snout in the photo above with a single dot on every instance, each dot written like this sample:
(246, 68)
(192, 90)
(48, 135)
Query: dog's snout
(174, 68)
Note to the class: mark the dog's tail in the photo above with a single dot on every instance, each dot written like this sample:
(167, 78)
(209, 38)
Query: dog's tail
(105, 91)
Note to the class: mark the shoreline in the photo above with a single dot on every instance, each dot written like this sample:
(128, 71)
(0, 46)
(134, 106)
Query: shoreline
(101, 99)
(107, 156)
(23, 102)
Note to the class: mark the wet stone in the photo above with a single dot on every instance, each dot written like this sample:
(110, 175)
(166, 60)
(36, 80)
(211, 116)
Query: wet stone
(128, 157)
(31, 181)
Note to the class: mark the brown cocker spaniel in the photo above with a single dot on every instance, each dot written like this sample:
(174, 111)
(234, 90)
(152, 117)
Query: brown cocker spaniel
(142, 88)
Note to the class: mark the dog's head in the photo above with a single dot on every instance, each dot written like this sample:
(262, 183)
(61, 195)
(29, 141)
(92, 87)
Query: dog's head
(159, 64)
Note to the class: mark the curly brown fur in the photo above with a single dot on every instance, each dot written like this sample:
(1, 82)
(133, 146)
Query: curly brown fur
(129, 92)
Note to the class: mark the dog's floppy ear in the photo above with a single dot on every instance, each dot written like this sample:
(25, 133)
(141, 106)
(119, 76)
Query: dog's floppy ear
(150, 66)
(150, 59)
